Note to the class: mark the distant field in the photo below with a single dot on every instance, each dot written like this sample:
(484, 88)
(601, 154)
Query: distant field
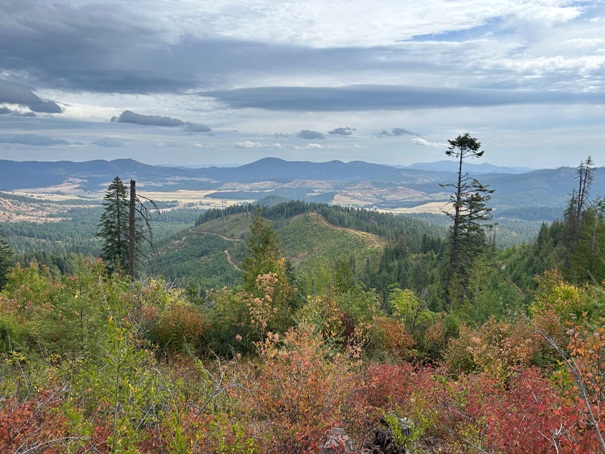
(53, 203)
(48, 204)
(197, 199)
(59, 203)
(430, 207)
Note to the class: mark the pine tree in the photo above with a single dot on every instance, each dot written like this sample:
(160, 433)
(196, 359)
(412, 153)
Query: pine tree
(577, 224)
(6, 259)
(263, 254)
(470, 217)
(124, 227)
(585, 176)
(578, 201)
(587, 258)
(114, 227)
(266, 276)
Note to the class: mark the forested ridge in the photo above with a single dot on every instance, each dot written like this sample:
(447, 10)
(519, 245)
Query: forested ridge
(303, 327)
(386, 225)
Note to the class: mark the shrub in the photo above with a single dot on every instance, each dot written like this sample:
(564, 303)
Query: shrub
(566, 300)
(388, 340)
(302, 390)
(34, 425)
(497, 348)
(180, 325)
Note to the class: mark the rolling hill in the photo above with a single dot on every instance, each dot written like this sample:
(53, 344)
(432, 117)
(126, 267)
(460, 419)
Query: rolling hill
(313, 239)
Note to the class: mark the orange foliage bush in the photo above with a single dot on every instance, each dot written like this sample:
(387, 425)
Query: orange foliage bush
(302, 389)
(478, 413)
(389, 339)
(35, 425)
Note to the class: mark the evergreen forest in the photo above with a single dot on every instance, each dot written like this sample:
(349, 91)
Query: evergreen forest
(299, 327)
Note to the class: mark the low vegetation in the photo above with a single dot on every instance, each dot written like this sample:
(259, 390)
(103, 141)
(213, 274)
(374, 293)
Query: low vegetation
(93, 363)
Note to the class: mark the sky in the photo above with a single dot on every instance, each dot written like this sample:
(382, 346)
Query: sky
(228, 82)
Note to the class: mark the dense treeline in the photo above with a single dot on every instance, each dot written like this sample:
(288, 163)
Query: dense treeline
(501, 282)
(386, 225)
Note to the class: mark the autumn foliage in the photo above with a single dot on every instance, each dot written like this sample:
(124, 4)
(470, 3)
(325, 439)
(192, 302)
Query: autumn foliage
(98, 364)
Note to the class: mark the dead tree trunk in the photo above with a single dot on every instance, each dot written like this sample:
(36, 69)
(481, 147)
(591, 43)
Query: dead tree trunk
(133, 231)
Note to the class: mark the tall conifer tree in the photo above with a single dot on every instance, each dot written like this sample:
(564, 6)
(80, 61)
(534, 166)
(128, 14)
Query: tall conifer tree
(6, 259)
(470, 215)
(578, 201)
(114, 227)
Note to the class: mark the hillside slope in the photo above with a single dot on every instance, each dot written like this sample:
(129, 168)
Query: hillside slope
(211, 253)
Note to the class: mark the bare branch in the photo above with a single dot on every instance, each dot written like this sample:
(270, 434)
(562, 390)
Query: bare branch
(575, 371)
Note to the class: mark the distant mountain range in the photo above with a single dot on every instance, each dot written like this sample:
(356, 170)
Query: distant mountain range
(94, 175)
(452, 166)
(29, 174)
(354, 183)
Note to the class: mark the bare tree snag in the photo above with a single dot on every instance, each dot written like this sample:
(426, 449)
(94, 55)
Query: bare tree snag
(132, 231)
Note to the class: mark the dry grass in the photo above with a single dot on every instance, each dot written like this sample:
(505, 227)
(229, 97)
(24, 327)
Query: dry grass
(431, 207)
(43, 202)
(374, 241)
(192, 199)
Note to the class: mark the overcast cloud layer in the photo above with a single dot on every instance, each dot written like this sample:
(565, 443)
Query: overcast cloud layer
(205, 82)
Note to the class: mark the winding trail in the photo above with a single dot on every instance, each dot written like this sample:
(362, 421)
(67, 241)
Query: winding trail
(226, 238)
(226, 251)
(233, 264)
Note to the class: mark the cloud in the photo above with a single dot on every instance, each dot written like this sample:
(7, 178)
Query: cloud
(247, 144)
(346, 131)
(310, 135)
(390, 97)
(14, 93)
(129, 116)
(531, 67)
(32, 139)
(396, 132)
(401, 132)
(311, 146)
(119, 49)
(384, 133)
(124, 49)
(15, 113)
(166, 144)
(110, 142)
(42, 106)
(426, 143)
(196, 127)
(146, 50)
(133, 49)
